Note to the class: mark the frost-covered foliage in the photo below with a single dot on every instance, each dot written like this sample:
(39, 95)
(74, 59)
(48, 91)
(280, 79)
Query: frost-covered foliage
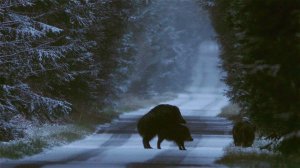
(61, 58)
(112, 50)
(26, 51)
(260, 51)
(45, 59)
(21, 99)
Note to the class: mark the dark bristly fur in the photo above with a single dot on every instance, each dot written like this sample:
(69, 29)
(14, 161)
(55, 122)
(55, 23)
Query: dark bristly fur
(177, 133)
(243, 133)
(156, 119)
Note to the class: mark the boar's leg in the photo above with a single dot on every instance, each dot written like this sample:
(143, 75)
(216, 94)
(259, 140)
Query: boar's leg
(159, 141)
(146, 143)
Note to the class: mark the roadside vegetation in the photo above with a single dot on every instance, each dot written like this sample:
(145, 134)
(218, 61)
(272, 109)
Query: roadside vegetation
(260, 51)
(254, 157)
(263, 153)
(37, 139)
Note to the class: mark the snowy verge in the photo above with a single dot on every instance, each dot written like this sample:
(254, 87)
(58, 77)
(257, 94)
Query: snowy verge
(256, 157)
(37, 139)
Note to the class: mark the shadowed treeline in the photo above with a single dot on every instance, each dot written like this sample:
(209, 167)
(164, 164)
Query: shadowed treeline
(260, 54)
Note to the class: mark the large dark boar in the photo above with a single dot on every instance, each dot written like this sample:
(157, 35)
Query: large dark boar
(156, 119)
(177, 133)
(243, 133)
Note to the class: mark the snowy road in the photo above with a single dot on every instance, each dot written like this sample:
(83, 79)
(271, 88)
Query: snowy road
(119, 145)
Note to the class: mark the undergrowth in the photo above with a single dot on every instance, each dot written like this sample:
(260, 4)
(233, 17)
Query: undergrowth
(40, 138)
(253, 157)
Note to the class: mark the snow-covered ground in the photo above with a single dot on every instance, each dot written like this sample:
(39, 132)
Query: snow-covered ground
(118, 149)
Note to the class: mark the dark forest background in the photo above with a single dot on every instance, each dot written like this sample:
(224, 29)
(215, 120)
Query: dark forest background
(260, 43)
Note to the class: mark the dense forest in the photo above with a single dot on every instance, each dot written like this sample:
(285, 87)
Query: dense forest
(63, 60)
(261, 55)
